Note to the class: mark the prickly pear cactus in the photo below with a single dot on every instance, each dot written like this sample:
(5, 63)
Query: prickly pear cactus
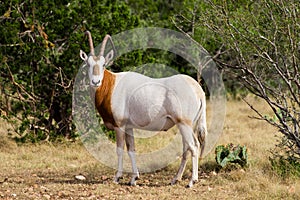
(231, 154)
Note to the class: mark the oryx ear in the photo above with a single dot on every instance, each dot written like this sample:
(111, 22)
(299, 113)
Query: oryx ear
(109, 57)
(83, 55)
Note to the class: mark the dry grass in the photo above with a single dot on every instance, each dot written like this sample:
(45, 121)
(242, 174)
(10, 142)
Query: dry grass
(47, 171)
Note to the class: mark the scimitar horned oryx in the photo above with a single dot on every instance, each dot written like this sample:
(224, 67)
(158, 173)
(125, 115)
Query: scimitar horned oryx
(130, 100)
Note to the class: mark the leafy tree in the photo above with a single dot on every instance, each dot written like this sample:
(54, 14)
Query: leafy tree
(258, 46)
(40, 42)
(155, 13)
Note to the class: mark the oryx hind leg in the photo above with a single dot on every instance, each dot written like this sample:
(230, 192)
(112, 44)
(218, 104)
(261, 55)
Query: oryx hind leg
(192, 144)
(179, 174)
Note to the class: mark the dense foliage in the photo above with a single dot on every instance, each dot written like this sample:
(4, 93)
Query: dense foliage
(40, 42)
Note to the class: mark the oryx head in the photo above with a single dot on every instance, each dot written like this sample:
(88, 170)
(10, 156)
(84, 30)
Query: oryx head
(96, 64)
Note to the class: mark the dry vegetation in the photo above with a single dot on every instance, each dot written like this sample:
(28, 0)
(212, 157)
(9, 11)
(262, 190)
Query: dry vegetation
(47, 171)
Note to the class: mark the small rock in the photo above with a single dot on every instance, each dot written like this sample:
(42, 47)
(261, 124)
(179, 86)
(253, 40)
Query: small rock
(291, 189)
(44, 188)
(80, 177)
(147, 181)
(209, 188)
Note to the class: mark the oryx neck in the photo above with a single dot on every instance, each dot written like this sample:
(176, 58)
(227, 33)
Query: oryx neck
(103, 97)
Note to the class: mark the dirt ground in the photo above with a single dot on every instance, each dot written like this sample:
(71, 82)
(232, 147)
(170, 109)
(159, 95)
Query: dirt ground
(48, 171)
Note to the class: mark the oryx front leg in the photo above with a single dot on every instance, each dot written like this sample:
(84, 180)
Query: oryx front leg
(120, 137)
(131, 153)
(192, 144)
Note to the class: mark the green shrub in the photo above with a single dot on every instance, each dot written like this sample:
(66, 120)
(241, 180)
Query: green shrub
(39, 59)
(285, 165)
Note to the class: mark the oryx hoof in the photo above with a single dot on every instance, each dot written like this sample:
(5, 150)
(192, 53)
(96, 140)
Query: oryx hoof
(133, 180)
(191, 183)
(117, 180)
(132, 183)
(175, 181)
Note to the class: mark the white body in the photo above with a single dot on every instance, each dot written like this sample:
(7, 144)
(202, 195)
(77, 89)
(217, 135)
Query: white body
(154, 104)
(130, 100)
(151, 104)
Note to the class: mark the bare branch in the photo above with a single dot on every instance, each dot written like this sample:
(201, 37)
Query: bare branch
(31, 96)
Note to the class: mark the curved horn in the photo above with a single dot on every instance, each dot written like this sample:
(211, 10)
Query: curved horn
(101, 53)
(90, 42)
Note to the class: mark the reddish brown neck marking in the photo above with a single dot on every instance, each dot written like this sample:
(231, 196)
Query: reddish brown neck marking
(103, 98)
